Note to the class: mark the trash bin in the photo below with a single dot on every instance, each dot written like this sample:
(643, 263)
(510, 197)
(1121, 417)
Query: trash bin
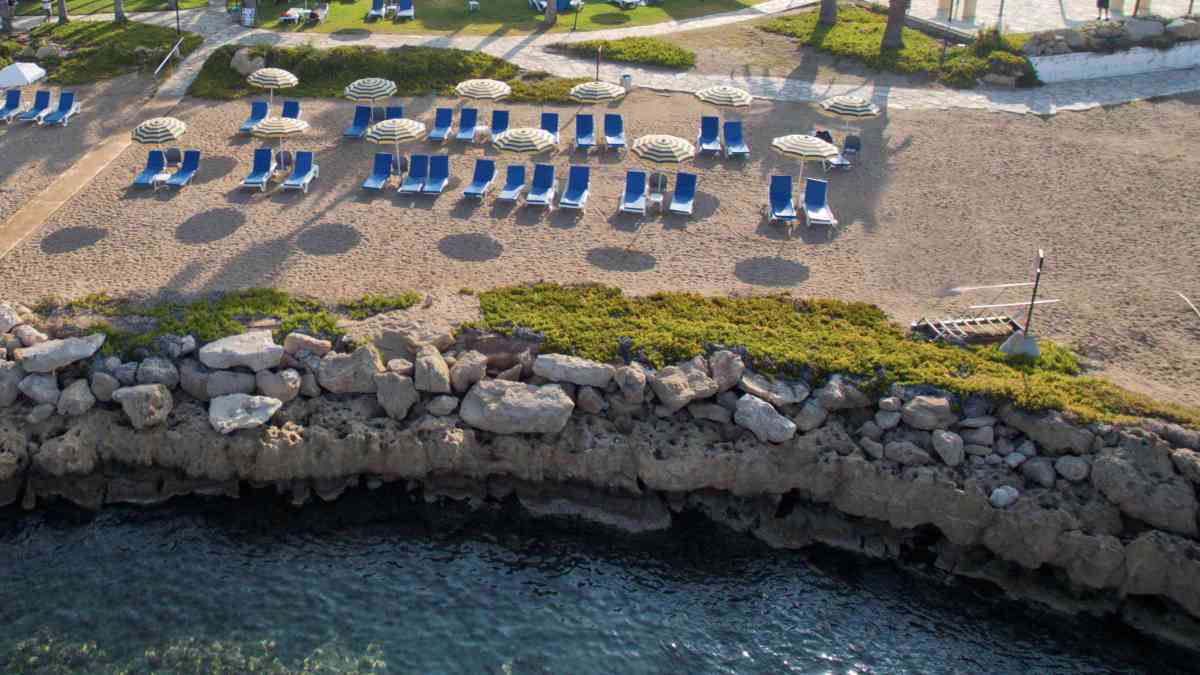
(627, 82)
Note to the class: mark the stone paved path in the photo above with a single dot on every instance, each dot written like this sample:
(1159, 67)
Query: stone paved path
(1025, 16)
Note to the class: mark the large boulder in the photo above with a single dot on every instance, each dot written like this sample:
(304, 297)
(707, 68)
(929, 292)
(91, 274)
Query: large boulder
(631, 383)
(76, 399)
(103, 386)
(396, 393)
(430, 372)
(840, 393)
(1143, 29)
(284, 385)
(1157, 563)
(1139, 477)
(677, 386)
(906, 453)
(255, 350)
(812, 415)
(232, 412)
(11, 375)
(245, 62)
(469, 368)
(1091, 561)
(763, 420)
(929, 413)
(727, 368)
(10, 318)
(225, 382)
(51, 355)
(563, 368)
(295, 343)
(949, 446)
(776, 392)
(1184, 29)
(40, 388)
(1049, 430)
(146, 405)
(158, 370)
(352, 373)
(505, 407)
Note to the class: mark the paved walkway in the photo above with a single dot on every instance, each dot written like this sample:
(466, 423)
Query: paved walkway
(1027, 16)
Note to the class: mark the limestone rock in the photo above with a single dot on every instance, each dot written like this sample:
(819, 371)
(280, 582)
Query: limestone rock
(295, 343)
(590, 400)
(1091, 561)
(776, 392)
(309, 385)
(352, 373)
(41, 412)
(157, 370)
(511, 374)
(29, 336)
(873, 448)
(193, 379)
(1139, 477)
(469, 368)
(11, 375)
(10, 318)
(929, 412)
(906, 453)
(504, 407)
(146, 405)
(396, 393)
(126, 373)
(887, 420)
(245, 63)
(402, 366)
(40, 388)
(631, 382)
(1004, 496)
(255, 350)
(1014, 459)
(51, 355)
(677, 386)
(841, 394)
(441, 406)
(174, 347)
(225, 382)
(1143, 29)
(562, 368)
(1157, 563)
(949, 446)
(1050, 430)
(761, 418)
(76, 399)
(979, 436)
(1184, 29)
(891, 404)
(812, 415)
(727, 368)
(831, 438)
(711, 412)
(1040, 471)
(103, 386)
(1072, 468)
(284, 385)
(232, 412)
(1187, 462)
(430, 372)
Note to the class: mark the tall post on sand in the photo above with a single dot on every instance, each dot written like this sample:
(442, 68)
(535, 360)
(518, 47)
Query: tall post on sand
(598, 52)
(1022, 342)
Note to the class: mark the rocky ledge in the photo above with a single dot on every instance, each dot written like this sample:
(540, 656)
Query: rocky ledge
(1083, 517)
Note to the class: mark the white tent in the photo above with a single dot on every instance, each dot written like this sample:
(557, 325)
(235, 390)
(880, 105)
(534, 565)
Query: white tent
(20, 74)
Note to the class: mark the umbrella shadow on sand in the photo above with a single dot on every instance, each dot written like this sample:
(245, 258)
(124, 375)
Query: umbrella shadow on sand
(773, 271)
(470, 247)
(616, 259)
(209, 226)
(71, 239)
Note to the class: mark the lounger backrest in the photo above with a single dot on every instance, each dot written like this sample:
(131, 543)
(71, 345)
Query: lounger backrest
(12, 98)
(439, 166)
(377, 6)
(614, 124)
(853, 143)
(259, 110)
(485, 170)
(443, 118)
(405, 5)
(685, 184)
(304, 162)
(824, 135)
(514, 176)
(499, 121)
(781, 190)
(378, 114)
(418, 167)
(635, 183)
(191, 160)
(66, 101)
(578, 178)
(585, 125)
(815, 192)
(550, 122)
(362, 115)
(262, 160)
(291, 109)
(543, 176)
(710, 128)
(468, 117)
(156, 160)
(383, 164)
(733, 133)
(395, 112)
(41, 100)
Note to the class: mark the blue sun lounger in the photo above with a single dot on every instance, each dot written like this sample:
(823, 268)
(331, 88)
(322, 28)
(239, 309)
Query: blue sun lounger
(260, 173)
(418, 169)
(362, 120)
(468, 124)
(485, 173)
(585, 132)
(633, 200)
(576, 194)
(614, 131)
(499, 122)
(291, 110)
(685, 194)
(188, 169)
(816, 203)
(709, 139)
(378, 10)
(258, 113)
(303, 172)
(735, 145)
(381, 173)
(443, 118)
(782, 206)
(156, 161)
(541, 192)
(514, 183)
(12, 105)
(404, 10)
(41, 107)
(550, 123)
(394, 112)
(439, 175)
(62, 115)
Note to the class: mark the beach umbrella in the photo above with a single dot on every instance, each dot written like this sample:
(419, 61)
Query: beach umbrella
(20, 74)
(663, 149)
(370, 89)
(804, 147)
(850, 106)
(279, 128)
(485, 89)
(725, 95)
(595, 92)
(272, 79)
(395, 132)
(158, 130)
(524, 139)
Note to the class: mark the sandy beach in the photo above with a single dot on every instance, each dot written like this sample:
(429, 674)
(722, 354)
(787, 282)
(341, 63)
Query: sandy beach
(939, 199)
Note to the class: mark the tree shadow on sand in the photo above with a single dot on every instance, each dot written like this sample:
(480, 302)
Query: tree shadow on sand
(470, 247)
(209, 226)
(771, 271)
(72, 239)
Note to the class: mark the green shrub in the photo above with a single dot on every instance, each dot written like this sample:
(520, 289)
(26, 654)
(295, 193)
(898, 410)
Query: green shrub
(649, 51)
(962, 71)
(370, 305)
(1004, 63)
(100, 50)
(858, 34)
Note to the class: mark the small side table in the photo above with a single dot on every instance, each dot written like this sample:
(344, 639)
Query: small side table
(655, 201)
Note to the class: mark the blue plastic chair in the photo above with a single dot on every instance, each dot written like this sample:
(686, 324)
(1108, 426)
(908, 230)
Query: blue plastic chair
(394, 112)
(156, 161)
(303, 172)
(576, 194)
(585, 132)
(41, 106)
(380, 173)
(709, 139)
(514, 183)
(291, 110)
(189, 167)
(12, 104)
(499, 122)
(362, 119)
(260, 173)
(258, 113)
(852, 146)
(468, 123)
(66, 108)
(550, 123)
(633, 200)
(782, 206)
(816, 203)
(614, 131)
(442, 119)
(685, 194)
(418, 170)
(378, 114)
(485, 173)
(377, 11)
(439, 175)
(735, 145)
(541, 192)
(404, 10)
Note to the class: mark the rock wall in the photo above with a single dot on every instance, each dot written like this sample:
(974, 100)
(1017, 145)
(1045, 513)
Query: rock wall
(1107, 515)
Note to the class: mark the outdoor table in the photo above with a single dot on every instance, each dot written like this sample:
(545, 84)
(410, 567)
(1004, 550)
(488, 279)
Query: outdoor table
(292, 15)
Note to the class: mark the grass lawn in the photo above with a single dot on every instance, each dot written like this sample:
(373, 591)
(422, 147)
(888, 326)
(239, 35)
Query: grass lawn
(106, 6)
(100, 50)
(650, 51)
(498, 17)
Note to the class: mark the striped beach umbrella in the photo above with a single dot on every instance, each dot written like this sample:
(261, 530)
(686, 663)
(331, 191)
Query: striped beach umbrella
(485, 89)
(850, 106)
(725, 95)
(524, 139)
(804, 147)
(272, 79)
(279, 128)
(663, 149)
(394, 132)
(595, 92)
(369, 89)
(157, 130)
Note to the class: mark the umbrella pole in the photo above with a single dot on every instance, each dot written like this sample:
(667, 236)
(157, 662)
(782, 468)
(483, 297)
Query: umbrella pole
(397, 155)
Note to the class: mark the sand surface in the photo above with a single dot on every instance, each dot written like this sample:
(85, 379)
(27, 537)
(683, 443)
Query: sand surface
(939, 199)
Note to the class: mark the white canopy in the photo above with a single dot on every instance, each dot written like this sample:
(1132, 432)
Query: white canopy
(20, 74)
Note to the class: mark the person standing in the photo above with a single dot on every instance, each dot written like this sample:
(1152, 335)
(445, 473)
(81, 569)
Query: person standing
(1102, 10)
(47, 9)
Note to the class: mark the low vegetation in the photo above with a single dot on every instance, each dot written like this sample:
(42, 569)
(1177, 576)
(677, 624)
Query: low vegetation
(858, 35)
(96, 50)
(416, 71)
(76, 7)
(650, 51)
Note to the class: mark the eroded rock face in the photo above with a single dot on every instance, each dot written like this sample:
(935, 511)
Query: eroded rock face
(1139, 477)
(1050, 430)
(255, 350)
(51, 355)
(562, 368)
(145, 405)
(512, 407)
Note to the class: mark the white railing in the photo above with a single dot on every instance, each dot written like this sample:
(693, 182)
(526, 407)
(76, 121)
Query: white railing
(174, 52)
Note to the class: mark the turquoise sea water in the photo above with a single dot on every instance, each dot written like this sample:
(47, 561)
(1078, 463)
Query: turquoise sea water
(376, 583)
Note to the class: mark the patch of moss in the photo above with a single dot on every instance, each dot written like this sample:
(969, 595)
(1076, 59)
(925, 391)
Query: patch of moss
(102, 50)
(370, 305)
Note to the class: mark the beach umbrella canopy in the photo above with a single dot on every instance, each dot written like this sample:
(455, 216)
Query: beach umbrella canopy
(272, 79)
(594, 92)
(850, 106)
(524, 139)
(279, 128)
(159, 130)
(804, 147)
(395, 132)
(370, 89)
(486, 89)
(725, 95)
(20, 74)
(663, 149)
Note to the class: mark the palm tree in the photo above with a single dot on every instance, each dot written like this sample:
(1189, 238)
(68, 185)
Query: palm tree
(6, 17)
(828, 13)
(893, 37)
(119, 11)
(62, 12)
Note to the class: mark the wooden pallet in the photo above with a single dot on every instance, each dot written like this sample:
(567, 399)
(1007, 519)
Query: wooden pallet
(967, 330)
